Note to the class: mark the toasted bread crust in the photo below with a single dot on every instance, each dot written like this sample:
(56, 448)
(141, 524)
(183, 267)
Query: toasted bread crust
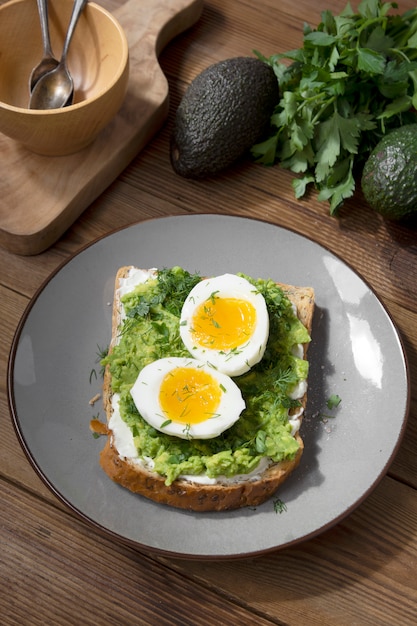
(186, 494)
(194, 496)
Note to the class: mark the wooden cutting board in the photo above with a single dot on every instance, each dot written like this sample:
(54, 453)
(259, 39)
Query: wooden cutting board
(40, 197)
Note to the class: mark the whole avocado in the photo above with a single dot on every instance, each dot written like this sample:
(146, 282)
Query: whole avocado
(224, 111)
(389, 181)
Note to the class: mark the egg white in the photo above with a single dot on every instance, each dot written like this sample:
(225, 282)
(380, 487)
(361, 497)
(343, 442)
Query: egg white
(145, 394)
(232, 362)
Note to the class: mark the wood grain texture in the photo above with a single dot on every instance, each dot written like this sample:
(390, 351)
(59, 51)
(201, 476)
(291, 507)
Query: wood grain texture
(42, 196)
(360, 572)
(79, 577)
(311, 580)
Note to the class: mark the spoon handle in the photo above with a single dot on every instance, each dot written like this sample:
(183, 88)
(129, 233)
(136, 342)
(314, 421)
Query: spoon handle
(76, 12)
(43, 17)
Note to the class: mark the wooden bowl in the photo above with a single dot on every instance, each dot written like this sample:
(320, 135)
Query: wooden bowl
(98, 60)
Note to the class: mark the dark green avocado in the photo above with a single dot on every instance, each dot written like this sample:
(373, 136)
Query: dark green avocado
(224, 111)
(389, 178)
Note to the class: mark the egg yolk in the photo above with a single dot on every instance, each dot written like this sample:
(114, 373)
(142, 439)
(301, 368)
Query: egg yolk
(189, 396)
(223, 323)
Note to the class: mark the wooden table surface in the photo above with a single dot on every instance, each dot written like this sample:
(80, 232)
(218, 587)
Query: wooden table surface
(56, 569)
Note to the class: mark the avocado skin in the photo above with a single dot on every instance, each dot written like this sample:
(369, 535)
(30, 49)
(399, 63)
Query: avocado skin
(224, 111)
(389, 181)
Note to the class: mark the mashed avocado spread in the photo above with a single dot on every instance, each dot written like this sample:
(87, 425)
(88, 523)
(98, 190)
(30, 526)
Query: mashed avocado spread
(150, 331)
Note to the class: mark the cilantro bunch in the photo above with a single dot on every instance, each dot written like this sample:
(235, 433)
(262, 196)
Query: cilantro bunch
(354, 79)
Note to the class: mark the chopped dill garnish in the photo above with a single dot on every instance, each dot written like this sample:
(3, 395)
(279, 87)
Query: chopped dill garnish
(101, 354)
(333, 401)
(279, 506)
(175, 284)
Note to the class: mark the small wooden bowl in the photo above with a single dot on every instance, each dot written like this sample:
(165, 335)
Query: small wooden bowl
(98, 60)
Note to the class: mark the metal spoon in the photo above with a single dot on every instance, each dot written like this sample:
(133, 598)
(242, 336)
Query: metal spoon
(56, 88)
(48, 61)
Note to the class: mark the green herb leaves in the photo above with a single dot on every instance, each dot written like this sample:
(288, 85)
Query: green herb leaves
(279, 506)
(174, 286)
(333, 401)
(354, 79)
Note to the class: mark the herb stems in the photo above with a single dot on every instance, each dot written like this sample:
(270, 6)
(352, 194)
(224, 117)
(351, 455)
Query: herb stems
(353, 80)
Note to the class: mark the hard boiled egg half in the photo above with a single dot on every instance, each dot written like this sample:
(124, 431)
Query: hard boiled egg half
(224, 322)
(187, 398)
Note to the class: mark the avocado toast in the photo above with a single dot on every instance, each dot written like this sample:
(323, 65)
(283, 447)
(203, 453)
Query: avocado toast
(244, 465)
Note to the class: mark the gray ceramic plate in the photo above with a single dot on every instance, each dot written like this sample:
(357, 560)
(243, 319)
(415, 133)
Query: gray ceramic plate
(356, 353)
